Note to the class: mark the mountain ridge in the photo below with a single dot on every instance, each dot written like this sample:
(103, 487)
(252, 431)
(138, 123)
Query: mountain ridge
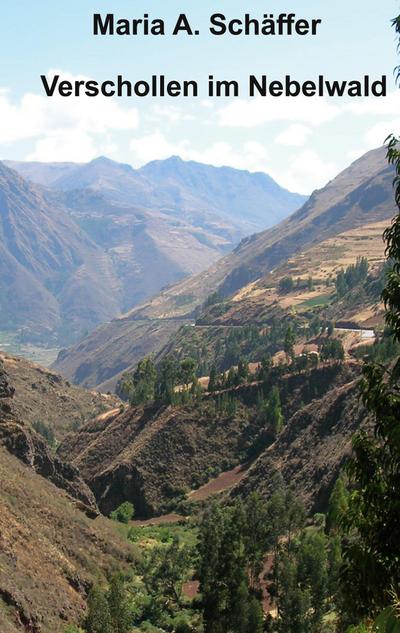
(96, 241)
(359, 195)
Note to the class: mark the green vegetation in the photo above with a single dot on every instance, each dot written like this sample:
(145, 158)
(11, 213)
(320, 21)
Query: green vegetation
(332, 349)
(352, 276)
(270, 412)
(371, 574)
(321, 300)
(46, 432)
(333, 573)
(124, 513)
(109, 611)
(286, 285)
(290, 340)
(382, 351)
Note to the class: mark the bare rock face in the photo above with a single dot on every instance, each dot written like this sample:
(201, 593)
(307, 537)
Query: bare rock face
(23, 442)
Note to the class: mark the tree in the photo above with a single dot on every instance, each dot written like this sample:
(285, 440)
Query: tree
(144, 380)
(338, 505)
(167, 380)
(332, 349)
(212, 383)
(187, 371)
(212, 587)
(166, 569)
(256, 537)
(302, 570)
(286, 285)
(227, 551)
(372, 552)
(98, 619)
(243, 371)
(273, 412)
(124, 513)
(290, 339)
(119, 605)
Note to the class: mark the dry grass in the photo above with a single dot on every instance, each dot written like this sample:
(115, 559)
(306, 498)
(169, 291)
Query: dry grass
(50, 552)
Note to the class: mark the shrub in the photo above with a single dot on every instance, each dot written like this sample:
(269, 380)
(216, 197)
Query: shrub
(124, 513)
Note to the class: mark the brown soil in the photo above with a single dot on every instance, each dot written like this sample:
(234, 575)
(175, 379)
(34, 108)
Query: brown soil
(221, 483)
(165, 519)
(149, 456)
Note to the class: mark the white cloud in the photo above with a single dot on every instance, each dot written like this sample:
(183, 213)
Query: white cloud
(71, 125)
(382, 106)
(71, 145)
(294, 135)
(258, 111)
(305, 172)
(170, 113)
(155, 146)
(377, 134)
(251, 155)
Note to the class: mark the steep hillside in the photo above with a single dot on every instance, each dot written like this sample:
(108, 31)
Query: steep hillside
(151, 455)
(360, 199)
(102, 237)
(52, 272)
(22, 441)
(41, 396)
(311, 450)
(50, 552)
(221, 200)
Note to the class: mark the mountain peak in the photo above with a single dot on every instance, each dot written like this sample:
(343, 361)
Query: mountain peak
(103, 160)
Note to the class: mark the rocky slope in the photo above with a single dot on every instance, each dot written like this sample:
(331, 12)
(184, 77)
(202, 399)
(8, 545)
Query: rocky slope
(40, 395)
(50, 552)
(29, 447)
(151, 455)
(219, 199)
(311, 451)
(48, 263)
(361, 195)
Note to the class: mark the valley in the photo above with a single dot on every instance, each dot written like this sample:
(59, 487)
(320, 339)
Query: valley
(338, 224)
(11, 342)
(206, 429)
(83, 243)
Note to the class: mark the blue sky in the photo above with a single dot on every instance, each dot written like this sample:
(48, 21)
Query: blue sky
(300, 142)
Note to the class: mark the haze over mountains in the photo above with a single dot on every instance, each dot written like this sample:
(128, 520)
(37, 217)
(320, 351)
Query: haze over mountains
(83, 243)
(362, 194)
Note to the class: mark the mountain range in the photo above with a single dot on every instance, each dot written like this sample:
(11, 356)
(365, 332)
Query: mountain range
(361, 195)
(68, 455)
(82, 243)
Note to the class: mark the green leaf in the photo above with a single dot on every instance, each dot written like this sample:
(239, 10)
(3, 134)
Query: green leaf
(387, 622)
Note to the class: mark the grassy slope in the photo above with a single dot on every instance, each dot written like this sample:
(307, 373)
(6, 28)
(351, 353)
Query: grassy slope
(41, 395)
(50, 552)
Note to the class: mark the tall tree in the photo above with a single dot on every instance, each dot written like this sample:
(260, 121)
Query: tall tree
(273, 411)
(119, 606)
(98, 619)
(290, 339)
(372, 553)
